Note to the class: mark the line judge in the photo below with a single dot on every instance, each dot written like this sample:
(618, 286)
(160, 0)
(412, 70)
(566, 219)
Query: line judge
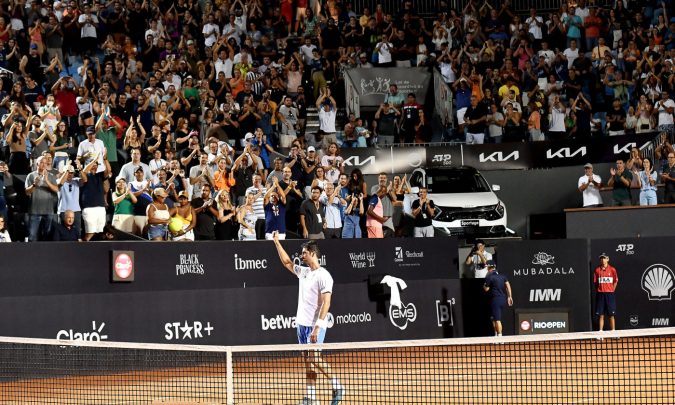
(314, 297)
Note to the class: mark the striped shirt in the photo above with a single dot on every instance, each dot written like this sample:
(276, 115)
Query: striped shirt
(258, 207)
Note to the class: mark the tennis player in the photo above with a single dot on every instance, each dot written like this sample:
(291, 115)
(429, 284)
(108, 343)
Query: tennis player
(500, 294)
(314, 296)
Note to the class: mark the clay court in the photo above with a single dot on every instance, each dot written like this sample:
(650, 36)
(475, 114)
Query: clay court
(639, 370)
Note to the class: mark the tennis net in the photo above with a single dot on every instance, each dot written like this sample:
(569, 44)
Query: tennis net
(624, 367)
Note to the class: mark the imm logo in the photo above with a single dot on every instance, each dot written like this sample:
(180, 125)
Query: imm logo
(660, 321)
(545, 295)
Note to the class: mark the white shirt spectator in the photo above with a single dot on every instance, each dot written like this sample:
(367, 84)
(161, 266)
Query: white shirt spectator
(258, 204)
(306, 52)
(591, 194)
(155, 165)
(384, 53)
(327, 120)
(535, 29)
(224, 66)
(87, 149)
(582, 12)
(232, 31)
(571, 55)
(333, 218)
(155, 35)
(665, 118)
(557, 120)
(88, 30)
(211, 32)
(548, 56)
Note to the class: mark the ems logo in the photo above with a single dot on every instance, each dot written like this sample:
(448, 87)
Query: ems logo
(400, 313)
(525, 326)
(634, 321)
(658, 281)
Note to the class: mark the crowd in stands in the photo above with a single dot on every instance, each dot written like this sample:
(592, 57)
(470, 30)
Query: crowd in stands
(186, 119)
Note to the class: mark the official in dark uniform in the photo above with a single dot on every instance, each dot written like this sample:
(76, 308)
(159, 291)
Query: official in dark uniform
(497, 285)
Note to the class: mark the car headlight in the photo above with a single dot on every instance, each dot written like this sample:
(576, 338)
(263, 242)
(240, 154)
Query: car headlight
(500, 209)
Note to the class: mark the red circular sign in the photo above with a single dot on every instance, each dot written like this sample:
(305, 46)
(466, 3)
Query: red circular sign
(525, 325)
(123, 266)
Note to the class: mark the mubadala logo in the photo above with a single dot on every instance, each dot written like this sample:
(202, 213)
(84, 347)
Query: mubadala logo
(658, 281)
(249, 264)
(660, 321)
(362, 260)
(498, 156)
(400, 313)
(96, 335)
(545, 295)
(187, 330)
(626, 248)
(189, 264)
(543, 259)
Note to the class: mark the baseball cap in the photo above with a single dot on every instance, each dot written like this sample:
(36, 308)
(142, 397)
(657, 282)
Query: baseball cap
(184, 194)
(159, 192)
(603, 255)
(311, 149)
(139, 169)
(588, 166)
(120, 178)
(33, 46)
(491, 263)
(70, 169)
(90, 130)
(248, 136)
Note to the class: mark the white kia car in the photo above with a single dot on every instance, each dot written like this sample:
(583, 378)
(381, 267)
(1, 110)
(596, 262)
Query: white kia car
(466, 203)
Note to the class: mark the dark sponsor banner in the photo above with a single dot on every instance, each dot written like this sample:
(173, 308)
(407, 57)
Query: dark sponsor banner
(63, 268)
(549, 274)
(371, 85)
(646, 271)
(238, 316)
(503, 156)
(387, 160)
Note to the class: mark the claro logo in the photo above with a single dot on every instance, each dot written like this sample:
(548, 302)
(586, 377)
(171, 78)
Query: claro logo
(249, 264)
(96, 334)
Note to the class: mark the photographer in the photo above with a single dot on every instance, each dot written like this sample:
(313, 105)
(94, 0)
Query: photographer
(353, 212)
(478, 259)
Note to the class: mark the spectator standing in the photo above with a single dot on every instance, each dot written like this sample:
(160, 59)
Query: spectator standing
(647, 183)
(475, 118)
(410, 118)
(4, 172)
(327, 113)
(158, 216)
(69, 197)
(423, 211)
(664, 108)
(4, 235)
(478, 259)
(92, 197)
(275, 211)
(620, 181)
(258, 190)
(332, 162)
(247, 218)
(353, 211)
(386, 117)
(387, 203)
(589, 184)
(123, 200)
(313, 216)
(331, 199)
(668, 178)
(374, 214)
(42, 189)
(205, 208)
(129, 169)
(185, 215)
(93, 148)
(225, 228)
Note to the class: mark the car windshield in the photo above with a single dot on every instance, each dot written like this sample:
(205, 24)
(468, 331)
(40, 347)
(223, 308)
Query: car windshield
(456, 181)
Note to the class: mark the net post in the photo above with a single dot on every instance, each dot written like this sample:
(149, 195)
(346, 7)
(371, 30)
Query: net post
(229, 373)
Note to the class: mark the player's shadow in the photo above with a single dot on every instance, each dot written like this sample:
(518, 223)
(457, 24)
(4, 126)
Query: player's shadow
(378, 293)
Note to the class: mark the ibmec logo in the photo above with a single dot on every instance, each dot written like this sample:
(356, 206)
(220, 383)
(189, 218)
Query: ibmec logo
(658, 281)
(499, 156)
(187, 330)
(545, 295)
(660, 321)
(96, 335)
(249, 264)
(400, 313)
(565, 153)
(626, 248)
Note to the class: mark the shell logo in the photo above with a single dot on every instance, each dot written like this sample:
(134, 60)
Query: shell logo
(659, 282)
(123, 266)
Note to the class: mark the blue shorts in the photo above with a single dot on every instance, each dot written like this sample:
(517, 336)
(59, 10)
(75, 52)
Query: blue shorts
(605, 304)
(497, 305)
(305, 331)
(157, 231)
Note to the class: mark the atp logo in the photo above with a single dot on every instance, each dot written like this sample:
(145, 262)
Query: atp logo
(400, 313)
